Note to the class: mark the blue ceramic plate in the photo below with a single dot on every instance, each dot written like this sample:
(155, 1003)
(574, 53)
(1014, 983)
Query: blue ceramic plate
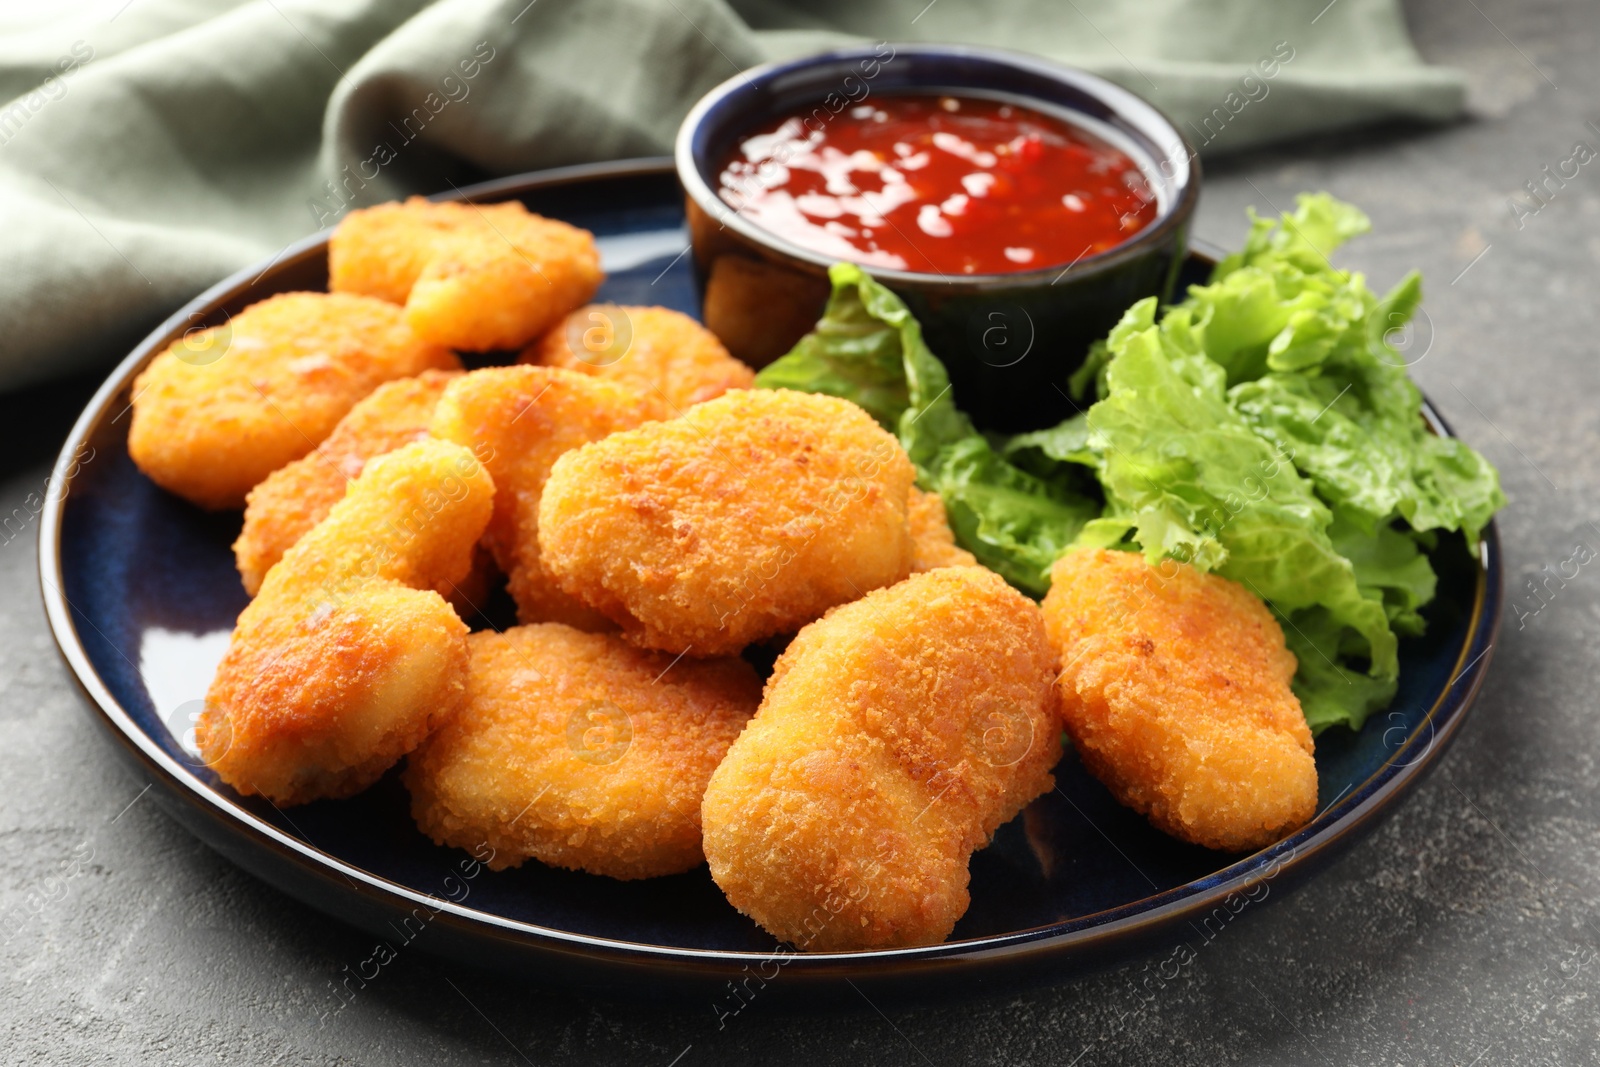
(141, 593)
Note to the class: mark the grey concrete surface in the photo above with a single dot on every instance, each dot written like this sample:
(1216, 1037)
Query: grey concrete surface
(1465, 931)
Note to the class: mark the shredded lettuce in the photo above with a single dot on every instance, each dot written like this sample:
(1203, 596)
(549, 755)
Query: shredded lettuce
(1263, 428)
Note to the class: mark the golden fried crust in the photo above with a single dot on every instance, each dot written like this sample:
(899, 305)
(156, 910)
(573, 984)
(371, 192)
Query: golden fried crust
(655, 349)
(220, 410)
(933, 544)
(748, 516)
(471, 276)
(347, 659)
(581, 751)
(1175, 691)
(895, 736)
(382, 250)
(519, 421)
(294, 498)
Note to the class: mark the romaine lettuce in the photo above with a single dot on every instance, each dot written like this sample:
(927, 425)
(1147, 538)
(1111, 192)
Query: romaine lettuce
(1283, 356)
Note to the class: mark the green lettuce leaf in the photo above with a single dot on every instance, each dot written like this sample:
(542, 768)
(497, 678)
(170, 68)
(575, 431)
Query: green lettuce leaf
(1014, 522)
(1331, 694)
(1354, 426)
(1389, 566)
(1310, 366)
(1281, 349)
(1062, 451)
(1305, 348)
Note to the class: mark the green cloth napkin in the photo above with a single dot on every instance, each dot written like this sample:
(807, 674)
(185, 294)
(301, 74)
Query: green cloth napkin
(150, 147)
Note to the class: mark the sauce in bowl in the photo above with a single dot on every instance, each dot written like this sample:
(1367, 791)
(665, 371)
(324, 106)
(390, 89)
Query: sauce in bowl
(938, 184)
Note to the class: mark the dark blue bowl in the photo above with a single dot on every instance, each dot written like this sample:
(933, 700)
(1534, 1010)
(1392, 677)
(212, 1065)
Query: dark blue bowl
(140, 592)
(1008, 339)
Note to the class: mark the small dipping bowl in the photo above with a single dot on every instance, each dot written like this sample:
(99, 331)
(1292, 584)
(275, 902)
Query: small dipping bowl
(1010, 340)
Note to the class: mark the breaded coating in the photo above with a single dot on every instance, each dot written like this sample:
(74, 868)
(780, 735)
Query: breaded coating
(223, 408)
(519, 420)
(347, 658)
(654, 349)
(933, 543)
(580, 751)
(471, 276)
(895, 736)
(294, 498)
(746, 517)
(1175, 691)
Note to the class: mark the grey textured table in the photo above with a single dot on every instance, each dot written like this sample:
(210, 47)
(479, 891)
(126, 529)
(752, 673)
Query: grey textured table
(1465, 931)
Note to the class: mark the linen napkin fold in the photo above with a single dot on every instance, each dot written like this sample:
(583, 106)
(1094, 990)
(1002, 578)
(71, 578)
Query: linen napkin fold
(151, 147)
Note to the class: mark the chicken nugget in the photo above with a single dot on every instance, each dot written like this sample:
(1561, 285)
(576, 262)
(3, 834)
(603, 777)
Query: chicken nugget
(654, 349)
(581, 751)
(746, 517)
(294, 498)
(223, 408)
(347, 658)
(471, 276)
(519, 420)
(933, 543)
(1175, 691)
(895, 736)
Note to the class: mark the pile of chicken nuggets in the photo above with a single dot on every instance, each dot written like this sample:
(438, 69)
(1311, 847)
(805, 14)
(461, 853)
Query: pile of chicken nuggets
(661, 526)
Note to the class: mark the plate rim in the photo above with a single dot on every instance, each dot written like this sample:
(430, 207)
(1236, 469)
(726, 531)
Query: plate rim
(1085, 934)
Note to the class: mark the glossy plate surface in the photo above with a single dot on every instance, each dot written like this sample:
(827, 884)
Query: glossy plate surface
(141, 592)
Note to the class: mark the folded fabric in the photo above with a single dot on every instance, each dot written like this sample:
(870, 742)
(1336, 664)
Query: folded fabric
(148, 149)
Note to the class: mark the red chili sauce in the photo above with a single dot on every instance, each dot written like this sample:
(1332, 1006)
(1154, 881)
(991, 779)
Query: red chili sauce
(938, 184)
